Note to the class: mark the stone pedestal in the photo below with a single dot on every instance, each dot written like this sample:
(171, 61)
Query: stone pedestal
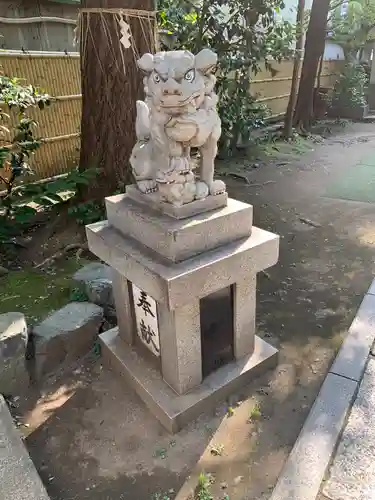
(185, 294)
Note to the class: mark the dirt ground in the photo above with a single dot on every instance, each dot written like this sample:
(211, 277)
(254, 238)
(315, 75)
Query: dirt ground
(90, 436)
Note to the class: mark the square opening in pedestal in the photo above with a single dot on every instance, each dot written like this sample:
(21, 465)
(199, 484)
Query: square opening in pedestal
(217, 329)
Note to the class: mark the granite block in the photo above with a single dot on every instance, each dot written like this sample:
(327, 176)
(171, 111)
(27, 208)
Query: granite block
(180, 283)
(189, 210)
(180, 344)
(19, 479)
(306, 465)
(123, 305)
(244, 316)
(178, 240)
(352, 357)
(171, 409)
(352, 474)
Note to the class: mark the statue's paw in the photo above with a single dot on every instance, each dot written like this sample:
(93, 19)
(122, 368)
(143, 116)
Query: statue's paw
(189, 192)
(202, 191)
(147, 187)
(217, 187)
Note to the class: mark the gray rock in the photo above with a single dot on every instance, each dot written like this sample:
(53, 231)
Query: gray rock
(93, 271)
(3, 271)
(100, 292)
(66, 335)
(96, 280)
(13, 341)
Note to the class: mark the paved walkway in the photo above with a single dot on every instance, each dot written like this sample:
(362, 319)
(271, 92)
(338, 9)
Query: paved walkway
(352, 474)
(350, 380)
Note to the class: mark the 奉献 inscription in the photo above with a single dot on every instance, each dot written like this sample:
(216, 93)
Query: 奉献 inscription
(146, 320)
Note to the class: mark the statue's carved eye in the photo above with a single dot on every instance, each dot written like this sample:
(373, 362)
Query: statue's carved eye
(190, 75)
(157, 78)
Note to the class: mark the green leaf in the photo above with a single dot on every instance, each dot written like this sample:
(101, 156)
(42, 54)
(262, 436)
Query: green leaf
(53, 197)
(24, 213)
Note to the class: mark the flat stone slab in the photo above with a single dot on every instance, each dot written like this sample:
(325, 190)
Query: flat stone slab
(352, 475)
(351, 360)
(189, 210)
(66, 335)
(173, 410)
(178, 240)
(19, 479)
(306, 465)
(13, 341)
(178, 284)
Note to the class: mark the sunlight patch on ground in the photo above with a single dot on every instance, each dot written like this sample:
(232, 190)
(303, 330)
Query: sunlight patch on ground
(46, 407)
(366, 235)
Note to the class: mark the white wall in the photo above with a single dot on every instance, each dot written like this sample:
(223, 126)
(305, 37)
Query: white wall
(333, 51)
(289, 13)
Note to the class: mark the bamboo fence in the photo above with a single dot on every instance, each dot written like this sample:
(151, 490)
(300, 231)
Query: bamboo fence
(58, 74)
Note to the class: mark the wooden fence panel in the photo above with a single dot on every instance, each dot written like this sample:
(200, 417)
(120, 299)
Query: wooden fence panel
(59, 125)
(274, 91)
(59, 75)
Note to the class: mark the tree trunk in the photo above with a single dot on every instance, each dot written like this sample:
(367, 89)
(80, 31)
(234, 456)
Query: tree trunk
(288, 126)
(314, 48)
(111, 84)
(319, 75)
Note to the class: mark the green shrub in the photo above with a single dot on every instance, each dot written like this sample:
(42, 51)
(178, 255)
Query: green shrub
(350, 89)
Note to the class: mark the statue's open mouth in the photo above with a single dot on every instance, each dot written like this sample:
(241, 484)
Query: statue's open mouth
(178, 104)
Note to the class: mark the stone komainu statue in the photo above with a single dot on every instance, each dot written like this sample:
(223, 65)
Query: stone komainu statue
(178, 113)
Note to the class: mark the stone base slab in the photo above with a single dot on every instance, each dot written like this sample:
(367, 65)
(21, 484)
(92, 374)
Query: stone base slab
(189, 210)
(172, 410)
(179, 239)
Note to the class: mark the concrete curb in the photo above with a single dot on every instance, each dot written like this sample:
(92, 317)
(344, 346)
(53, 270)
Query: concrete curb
(310, 457)
(19, 479)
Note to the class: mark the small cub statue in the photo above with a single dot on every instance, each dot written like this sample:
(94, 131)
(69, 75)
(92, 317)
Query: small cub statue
(178, 113)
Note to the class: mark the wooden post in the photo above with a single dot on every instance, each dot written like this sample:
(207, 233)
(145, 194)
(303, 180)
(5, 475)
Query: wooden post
(314, 49)
(288, 126)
